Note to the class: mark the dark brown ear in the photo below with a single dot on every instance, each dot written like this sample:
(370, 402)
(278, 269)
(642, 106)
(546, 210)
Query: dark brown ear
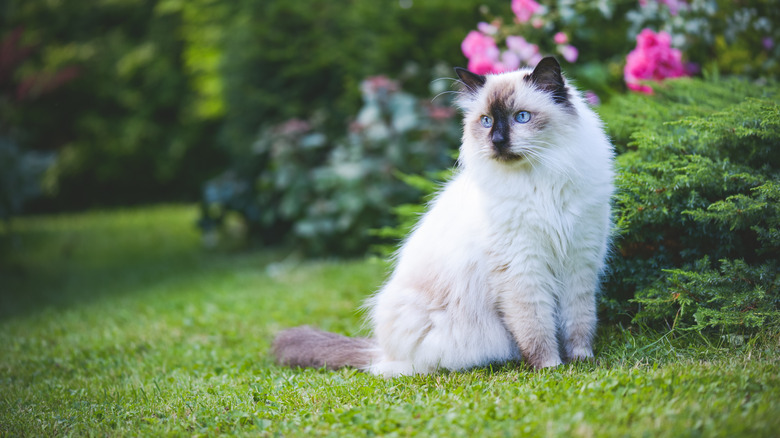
(472, 81)
(547, 77)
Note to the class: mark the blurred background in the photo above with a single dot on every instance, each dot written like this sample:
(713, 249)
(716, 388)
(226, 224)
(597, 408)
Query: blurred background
(299, 122)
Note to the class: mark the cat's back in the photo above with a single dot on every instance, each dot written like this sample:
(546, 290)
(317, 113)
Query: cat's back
(447, 245)
(453, 223)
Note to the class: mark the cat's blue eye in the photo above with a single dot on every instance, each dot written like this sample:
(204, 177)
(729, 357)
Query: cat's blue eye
(486, 121)
(523, 117)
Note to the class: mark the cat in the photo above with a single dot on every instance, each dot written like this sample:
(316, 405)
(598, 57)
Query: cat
(505, 264)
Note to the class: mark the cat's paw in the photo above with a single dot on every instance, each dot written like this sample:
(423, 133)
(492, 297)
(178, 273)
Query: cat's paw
(550, 362)
(390, 369)
(576, 354)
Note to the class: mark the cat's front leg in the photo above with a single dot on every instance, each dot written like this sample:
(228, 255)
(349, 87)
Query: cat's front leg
(578, 313)
(529, 314)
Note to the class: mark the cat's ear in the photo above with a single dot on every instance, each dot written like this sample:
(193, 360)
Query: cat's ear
(547, 77)
(471, 81)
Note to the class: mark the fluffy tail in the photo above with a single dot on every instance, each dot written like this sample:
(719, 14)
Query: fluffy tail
(308, 347)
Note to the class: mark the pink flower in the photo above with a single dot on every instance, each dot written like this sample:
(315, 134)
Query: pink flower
(647, 39)
(487, 28)
(653, 59)
(481, 65)
(293, 127)
(674, 5)
(561, 38)
(524, 50)
(499, 67)
(592, 98)
(482, 53)
(642, 88)
(516, 43)
(378, 84)
(524, 9)
(437, 112)
(569, 52)
(510, 60)
(479, 44)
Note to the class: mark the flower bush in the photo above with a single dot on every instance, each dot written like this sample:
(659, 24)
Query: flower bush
(20, 176)
(22, 169)
(525, 9)
(715, 36)
(323, 195)
(484, 55)
(672, 38)
(653, 59)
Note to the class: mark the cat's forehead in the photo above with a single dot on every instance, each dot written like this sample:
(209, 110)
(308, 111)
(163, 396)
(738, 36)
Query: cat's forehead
(512, 90)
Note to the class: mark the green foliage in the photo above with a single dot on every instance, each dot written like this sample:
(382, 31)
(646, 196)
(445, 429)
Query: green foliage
(287, 59)
(204, 25)
(673, 100)
(166, 89)
(323, 195)
(124, 128)
(20, 175)
(735, 296)
(696, 190)
(21, 169)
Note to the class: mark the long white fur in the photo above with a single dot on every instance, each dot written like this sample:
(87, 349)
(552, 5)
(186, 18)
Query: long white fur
(507, 258)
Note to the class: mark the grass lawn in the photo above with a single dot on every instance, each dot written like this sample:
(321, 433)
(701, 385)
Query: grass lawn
(119, 323)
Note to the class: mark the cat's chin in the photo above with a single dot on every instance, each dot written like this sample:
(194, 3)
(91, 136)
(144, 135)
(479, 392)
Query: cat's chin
(507, 157)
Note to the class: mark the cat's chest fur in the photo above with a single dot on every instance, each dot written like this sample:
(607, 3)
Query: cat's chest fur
(538, 218)
(475, 231)
(531, 221)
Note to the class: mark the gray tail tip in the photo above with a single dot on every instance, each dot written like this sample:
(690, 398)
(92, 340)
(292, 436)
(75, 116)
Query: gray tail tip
(307, 346)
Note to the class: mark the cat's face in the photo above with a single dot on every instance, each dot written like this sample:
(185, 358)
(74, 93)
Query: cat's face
(513, 117)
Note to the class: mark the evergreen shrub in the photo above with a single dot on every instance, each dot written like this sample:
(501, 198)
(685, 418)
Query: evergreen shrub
(697, 206)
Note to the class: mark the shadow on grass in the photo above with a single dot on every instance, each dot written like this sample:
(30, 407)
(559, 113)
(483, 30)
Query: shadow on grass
(65, 260)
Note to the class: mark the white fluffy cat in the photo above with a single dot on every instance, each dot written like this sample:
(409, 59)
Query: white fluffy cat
(506, 262)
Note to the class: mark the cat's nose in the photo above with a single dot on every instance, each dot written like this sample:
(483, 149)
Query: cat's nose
(499, 139)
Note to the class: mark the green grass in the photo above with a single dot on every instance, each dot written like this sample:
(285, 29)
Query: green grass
(119, 323)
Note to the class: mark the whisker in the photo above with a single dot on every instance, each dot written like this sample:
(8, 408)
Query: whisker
(536, 152)
(446, 92)
(445, 79)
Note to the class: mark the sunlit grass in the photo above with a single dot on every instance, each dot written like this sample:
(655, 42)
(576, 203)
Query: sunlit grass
(119, 323)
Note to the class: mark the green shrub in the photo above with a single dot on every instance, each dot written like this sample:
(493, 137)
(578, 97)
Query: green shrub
(123, 128)
(20, 175)
(284, 59)
(697, 214)
(323, 195)
(628, 113)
